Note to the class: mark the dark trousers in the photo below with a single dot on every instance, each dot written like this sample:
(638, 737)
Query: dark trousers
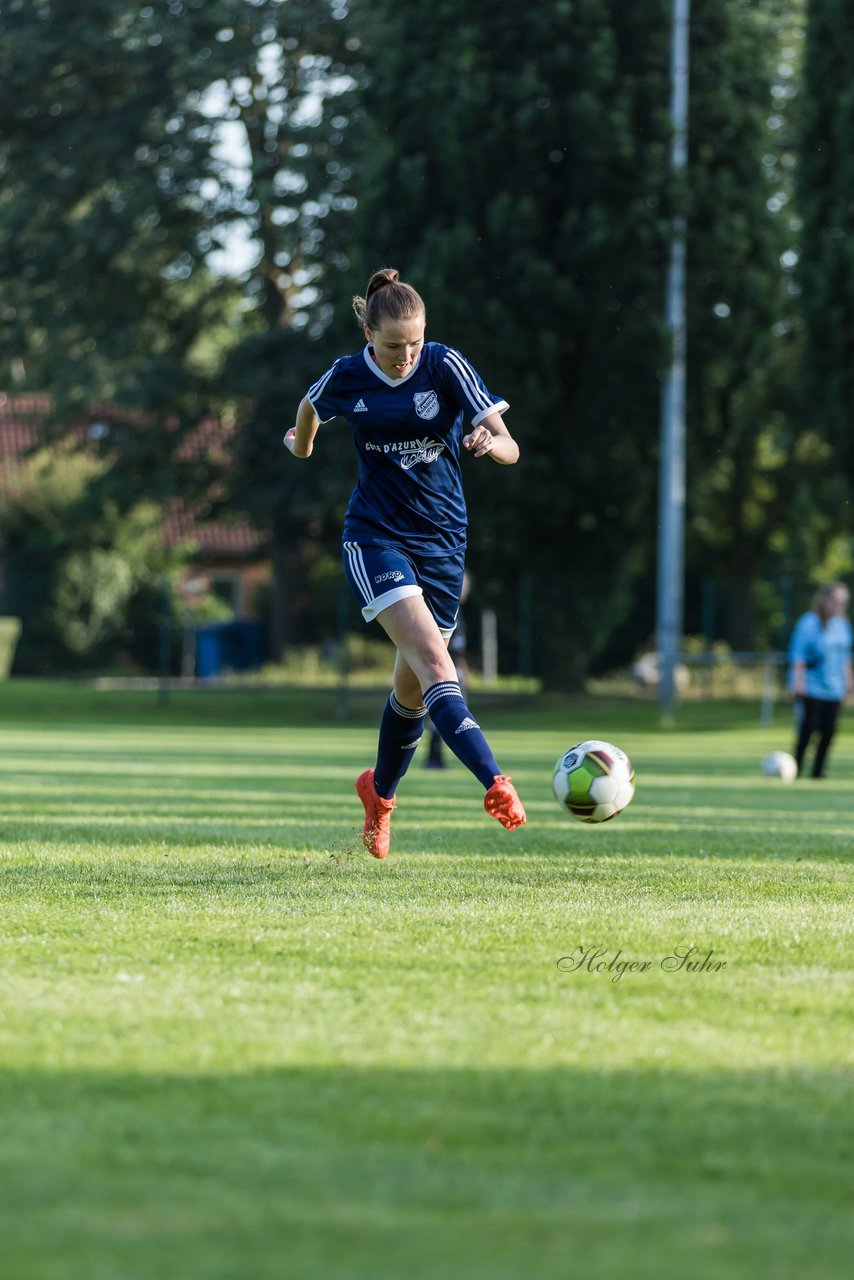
(815, 716)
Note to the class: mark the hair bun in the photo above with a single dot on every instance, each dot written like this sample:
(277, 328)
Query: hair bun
(387, 296)
(385, 275)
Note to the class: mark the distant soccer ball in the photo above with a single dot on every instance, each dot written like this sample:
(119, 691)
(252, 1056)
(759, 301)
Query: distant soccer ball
(594, 781)
(779, 764)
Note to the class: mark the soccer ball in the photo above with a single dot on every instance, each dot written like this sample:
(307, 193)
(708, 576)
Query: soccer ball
(594, 781)
(779, 764)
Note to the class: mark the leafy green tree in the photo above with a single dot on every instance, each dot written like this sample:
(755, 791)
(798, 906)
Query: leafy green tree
(513, 166)
(137, 141)
(170, 194)
(72, 588)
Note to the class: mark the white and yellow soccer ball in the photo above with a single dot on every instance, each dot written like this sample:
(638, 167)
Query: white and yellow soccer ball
(779, 764)
(594, 781)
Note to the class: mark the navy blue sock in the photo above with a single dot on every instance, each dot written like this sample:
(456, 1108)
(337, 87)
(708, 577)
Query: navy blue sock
(460, 730)
(400, 732)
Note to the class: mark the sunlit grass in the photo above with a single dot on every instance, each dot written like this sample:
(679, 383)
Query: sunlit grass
(233, 1044)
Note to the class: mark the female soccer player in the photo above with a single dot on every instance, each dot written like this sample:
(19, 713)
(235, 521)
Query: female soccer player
(406, 402)
(821, 674)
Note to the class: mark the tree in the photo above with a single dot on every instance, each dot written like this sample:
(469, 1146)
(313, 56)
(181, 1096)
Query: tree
(776, 451)
(139, 146)
(70, 576)
(135, 140)
(518, 171)
(742, 452)
(826, 268)
(515, 167)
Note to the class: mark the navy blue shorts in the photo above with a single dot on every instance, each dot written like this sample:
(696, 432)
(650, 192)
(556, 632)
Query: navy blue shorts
(380, 576)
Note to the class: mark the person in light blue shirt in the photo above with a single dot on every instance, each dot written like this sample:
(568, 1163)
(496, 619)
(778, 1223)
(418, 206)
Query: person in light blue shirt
(820, 673)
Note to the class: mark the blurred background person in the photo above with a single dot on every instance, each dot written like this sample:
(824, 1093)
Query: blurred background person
(820, 671)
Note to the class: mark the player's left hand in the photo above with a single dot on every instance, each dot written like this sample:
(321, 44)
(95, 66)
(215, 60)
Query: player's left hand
(479, 441)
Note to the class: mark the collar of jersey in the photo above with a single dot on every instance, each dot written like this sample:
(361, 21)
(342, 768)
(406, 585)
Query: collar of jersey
(383, 377)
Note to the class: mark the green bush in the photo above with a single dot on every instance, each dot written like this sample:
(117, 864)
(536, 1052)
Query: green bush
(76, 561)
(10, 630)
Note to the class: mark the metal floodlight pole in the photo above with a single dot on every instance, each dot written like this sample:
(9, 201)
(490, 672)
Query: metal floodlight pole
(671, 493)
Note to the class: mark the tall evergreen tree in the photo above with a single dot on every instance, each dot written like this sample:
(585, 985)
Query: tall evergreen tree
(741, 451)
(518, 172)
(826, 200)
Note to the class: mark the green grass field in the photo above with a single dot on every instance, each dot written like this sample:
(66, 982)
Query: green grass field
(234, 1045)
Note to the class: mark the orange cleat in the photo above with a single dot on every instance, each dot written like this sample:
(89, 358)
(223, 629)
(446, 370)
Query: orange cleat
(502, 802)
(376, 832)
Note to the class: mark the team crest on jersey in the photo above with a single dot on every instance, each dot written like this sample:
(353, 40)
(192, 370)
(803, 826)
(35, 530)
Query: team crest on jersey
(426, 404)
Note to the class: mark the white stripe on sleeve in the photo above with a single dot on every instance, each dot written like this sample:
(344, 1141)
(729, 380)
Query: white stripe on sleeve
(317, 390)
(467, 379)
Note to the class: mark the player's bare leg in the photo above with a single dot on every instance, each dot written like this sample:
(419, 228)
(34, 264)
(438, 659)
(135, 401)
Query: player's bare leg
(413, 630)
(422, 653)
(407, 688)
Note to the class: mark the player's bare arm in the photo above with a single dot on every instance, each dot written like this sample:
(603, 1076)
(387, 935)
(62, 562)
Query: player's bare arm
(300, 439)
(491, 437)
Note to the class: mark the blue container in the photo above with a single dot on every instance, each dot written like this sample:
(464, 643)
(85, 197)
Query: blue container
(228, 646)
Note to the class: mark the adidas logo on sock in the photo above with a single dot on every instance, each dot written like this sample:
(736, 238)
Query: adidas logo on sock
(361, 407)
(468, 723)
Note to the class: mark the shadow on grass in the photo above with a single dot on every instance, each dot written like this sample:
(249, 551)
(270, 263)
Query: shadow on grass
(430, 1174)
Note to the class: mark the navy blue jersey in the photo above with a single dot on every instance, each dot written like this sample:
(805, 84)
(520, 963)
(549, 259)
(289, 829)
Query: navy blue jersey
(408, 434)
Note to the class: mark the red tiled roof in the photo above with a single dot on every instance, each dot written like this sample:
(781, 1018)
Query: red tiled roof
(16, 437)
(210, 438)
(21, 422)
(24, 404)
(186, 525)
